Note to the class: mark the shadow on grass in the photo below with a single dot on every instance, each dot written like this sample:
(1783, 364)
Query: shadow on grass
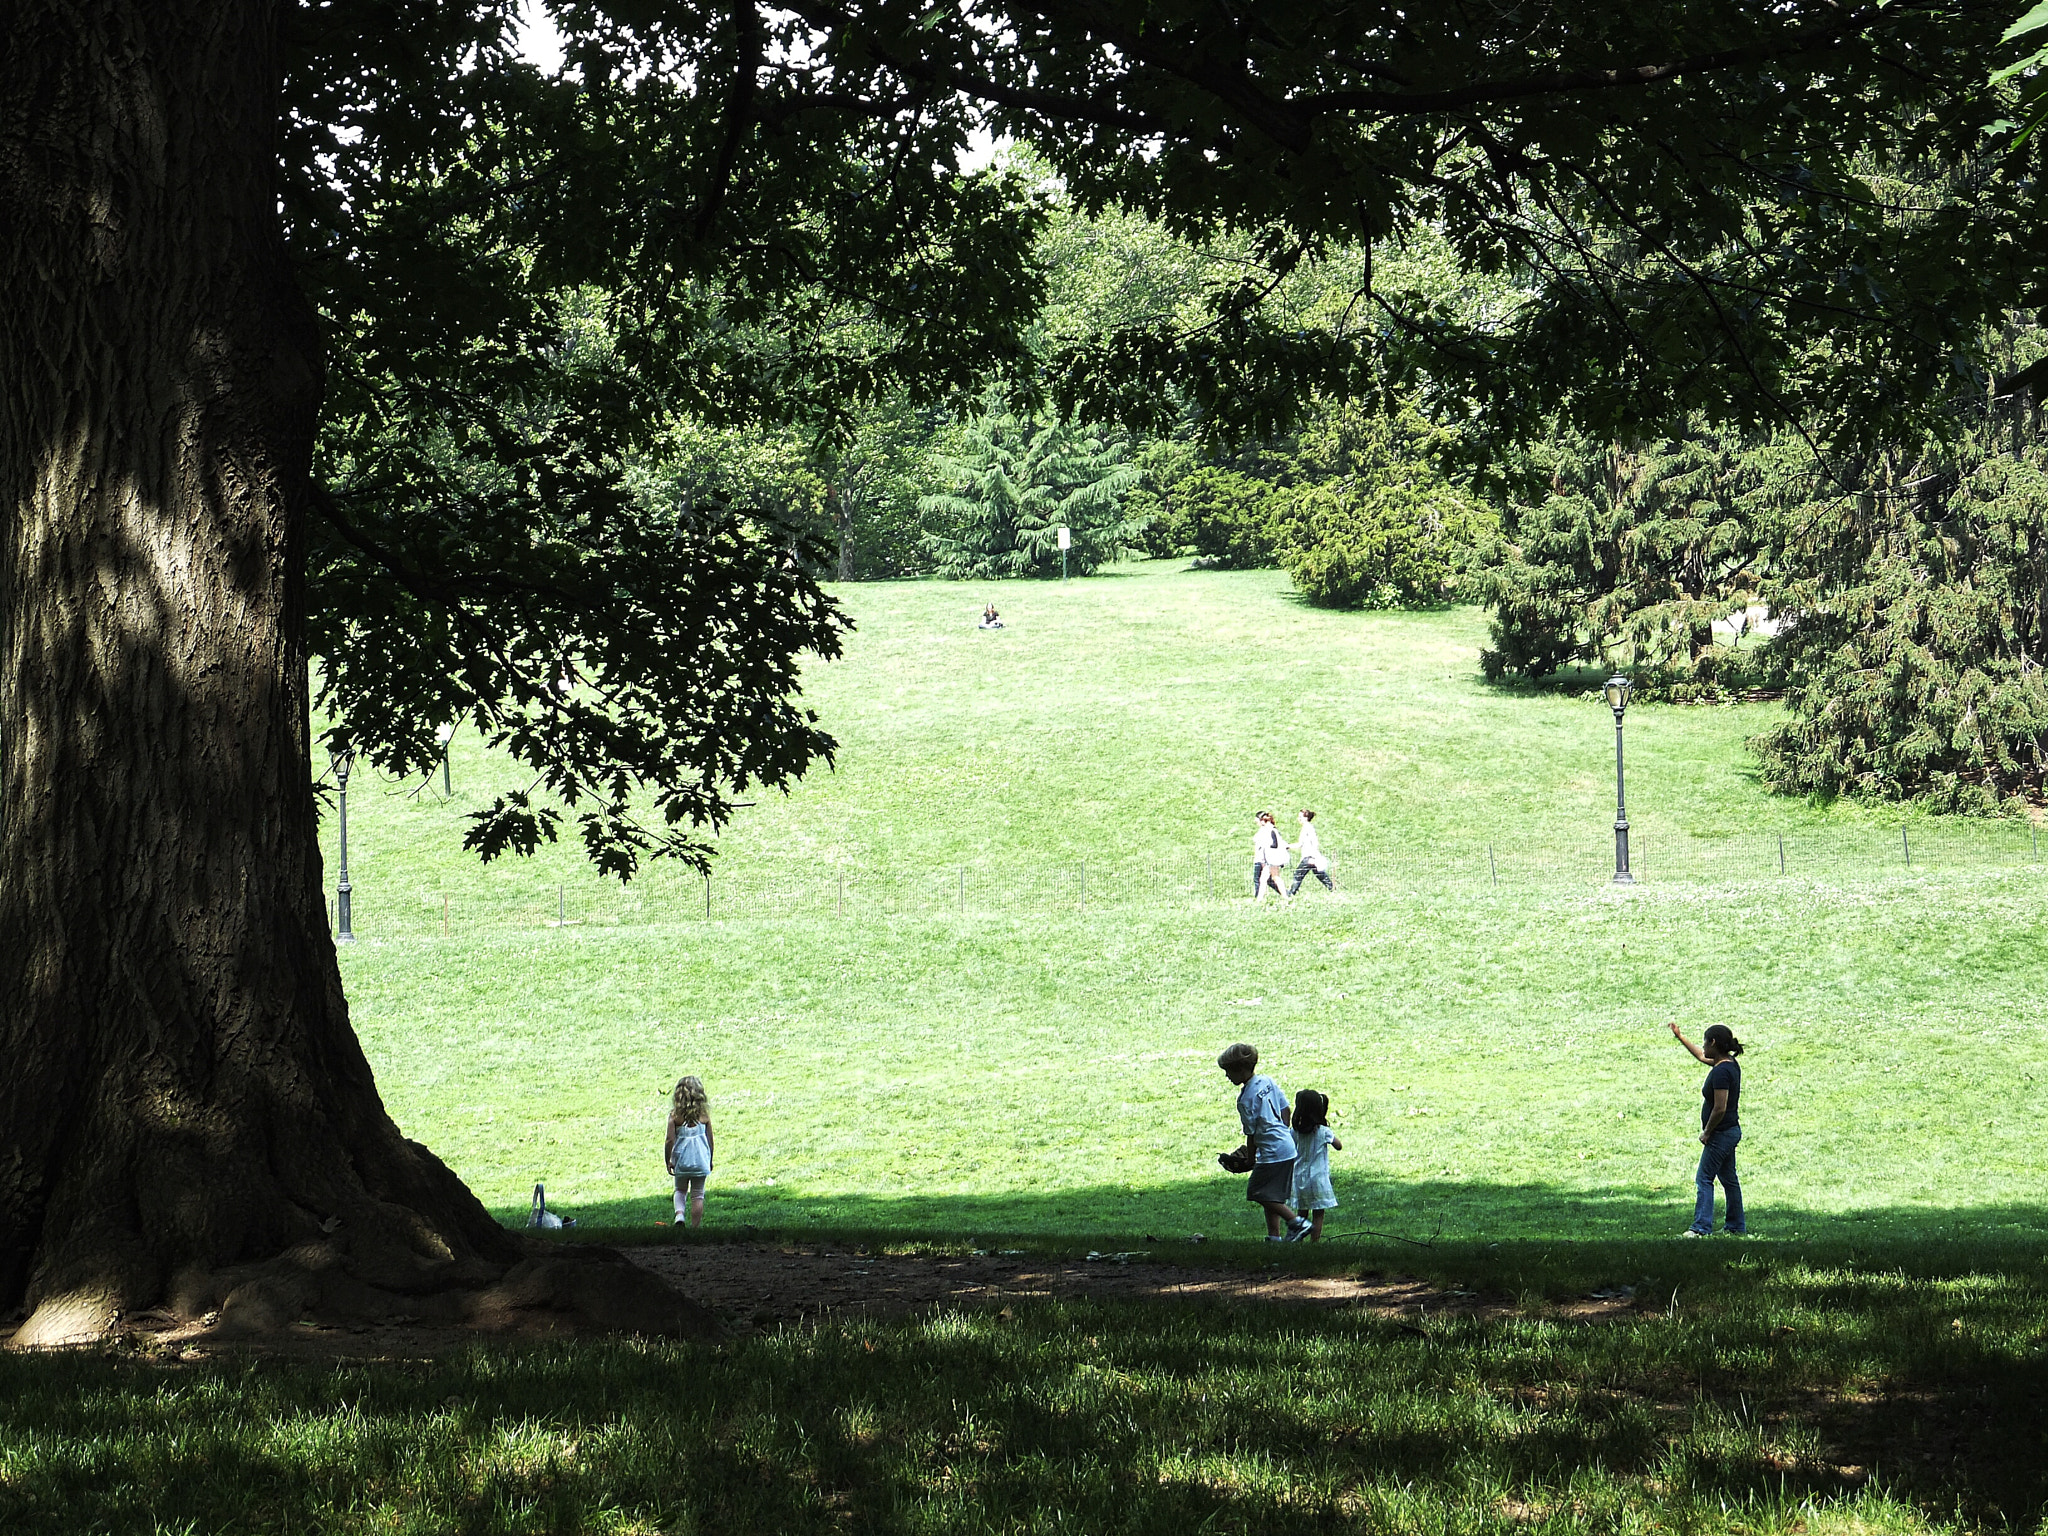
(1294, 597)
(1414, 1218)
(1872, 1401)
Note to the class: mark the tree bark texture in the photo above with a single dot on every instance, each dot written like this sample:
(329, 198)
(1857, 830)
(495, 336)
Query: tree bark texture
(180, 1091)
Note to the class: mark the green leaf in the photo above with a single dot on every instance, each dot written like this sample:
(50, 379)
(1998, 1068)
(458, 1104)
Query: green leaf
(2033, 21)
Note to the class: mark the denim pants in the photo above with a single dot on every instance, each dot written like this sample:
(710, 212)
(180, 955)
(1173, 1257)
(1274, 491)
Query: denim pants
(1717, 1161)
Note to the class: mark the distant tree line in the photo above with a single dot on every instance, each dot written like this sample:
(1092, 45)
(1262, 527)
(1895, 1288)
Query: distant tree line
(1893, 591)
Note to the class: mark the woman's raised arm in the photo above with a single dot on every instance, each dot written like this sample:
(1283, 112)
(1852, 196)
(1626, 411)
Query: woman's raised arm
(1698, 1055)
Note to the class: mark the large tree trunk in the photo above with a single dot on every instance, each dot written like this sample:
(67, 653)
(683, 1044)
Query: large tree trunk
(180, 1091)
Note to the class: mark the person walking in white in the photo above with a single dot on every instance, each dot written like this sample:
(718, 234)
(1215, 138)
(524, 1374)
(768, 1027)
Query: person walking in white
(1269, 858)
(1312, 860)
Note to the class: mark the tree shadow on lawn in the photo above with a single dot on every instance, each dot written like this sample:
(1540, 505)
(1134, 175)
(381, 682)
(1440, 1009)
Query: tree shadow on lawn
(1109, 1415)
(1413, 1218)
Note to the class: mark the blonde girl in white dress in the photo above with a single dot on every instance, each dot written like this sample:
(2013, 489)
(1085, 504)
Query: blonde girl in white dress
(686, 1148)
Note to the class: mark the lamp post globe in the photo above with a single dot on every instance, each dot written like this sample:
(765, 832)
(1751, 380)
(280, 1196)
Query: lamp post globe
(344, 933)
(1617, 688)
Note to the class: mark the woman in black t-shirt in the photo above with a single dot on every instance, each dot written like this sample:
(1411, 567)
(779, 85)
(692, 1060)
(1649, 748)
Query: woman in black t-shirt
(1720, 1129)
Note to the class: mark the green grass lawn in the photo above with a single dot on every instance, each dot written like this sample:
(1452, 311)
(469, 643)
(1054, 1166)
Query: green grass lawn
(1773, 1397)
(885, 1059)
(895, 1052)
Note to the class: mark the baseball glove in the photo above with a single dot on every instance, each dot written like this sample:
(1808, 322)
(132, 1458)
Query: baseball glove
(1240, 1161)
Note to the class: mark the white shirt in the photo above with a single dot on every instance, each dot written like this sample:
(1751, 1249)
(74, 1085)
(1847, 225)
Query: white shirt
(1260, 1104)
(1311, 848)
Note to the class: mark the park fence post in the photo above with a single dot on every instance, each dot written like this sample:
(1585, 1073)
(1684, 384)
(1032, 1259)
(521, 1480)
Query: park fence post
(1781, 853)
(842, 894)
(963, 888)
(707, 895)
(444, 917)
(1084, 885)
(1491, 867)
(1212, 867)
(1906, 843)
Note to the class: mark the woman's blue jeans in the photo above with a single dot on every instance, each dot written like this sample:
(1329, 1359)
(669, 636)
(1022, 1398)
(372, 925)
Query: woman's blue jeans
(1717, 1161)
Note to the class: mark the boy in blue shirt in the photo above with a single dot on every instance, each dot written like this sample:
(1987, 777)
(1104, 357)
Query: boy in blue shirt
(1262, 1110)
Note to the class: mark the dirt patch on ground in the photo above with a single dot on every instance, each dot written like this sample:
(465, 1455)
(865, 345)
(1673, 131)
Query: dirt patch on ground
(764, 1284)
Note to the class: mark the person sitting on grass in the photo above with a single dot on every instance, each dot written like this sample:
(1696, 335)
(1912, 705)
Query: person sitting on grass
(1262, 1111)
(686, 1149)
(990, 619)
(1720, 1129)
(1314, 1141)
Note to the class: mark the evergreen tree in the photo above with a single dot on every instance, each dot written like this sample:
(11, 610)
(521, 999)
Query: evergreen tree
(1164, 465)
(1633, 552)
(1014, 484)
(1375, 523)
(1916, 625)
(1229, 517)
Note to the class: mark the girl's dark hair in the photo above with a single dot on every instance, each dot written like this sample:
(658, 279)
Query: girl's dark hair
(1311, 1110)
(1721, 1040)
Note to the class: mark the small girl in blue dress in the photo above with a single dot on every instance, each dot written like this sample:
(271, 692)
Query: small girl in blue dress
(1314, 1141)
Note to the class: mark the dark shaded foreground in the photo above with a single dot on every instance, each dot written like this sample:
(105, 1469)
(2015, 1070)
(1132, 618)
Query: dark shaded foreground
(1763, 1397)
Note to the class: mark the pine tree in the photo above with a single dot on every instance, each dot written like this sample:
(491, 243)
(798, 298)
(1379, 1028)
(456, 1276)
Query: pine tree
(1014, 484)
(1374, 523)
(1631, 552)
(1916, 625)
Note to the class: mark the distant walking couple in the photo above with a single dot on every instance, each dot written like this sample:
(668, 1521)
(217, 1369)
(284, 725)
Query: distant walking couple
(1269, 858)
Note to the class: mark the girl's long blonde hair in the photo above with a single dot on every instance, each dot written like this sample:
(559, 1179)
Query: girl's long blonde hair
(689, 1104)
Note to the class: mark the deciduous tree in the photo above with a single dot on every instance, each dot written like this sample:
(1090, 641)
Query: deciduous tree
(389, 426)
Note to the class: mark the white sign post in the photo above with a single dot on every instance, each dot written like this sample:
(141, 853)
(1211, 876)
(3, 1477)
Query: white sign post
(1066, 543)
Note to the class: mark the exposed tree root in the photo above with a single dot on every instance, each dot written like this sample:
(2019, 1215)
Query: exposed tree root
(551, 1290)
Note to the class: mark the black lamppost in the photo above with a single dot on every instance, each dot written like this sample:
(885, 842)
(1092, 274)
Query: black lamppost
(343, 761)
(444, 735)
(1617, 690)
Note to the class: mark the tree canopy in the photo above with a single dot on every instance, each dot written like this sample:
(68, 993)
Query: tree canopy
(1606, 217)
(1686, 187)
(523, 283)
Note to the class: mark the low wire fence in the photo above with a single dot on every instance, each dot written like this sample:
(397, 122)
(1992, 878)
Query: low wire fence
(741, 888)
